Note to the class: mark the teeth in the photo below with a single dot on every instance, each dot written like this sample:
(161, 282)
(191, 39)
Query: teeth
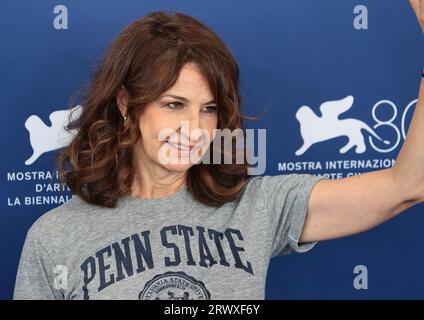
(178, 146)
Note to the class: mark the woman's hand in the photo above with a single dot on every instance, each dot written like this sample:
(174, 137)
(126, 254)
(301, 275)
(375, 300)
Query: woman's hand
(418, 6)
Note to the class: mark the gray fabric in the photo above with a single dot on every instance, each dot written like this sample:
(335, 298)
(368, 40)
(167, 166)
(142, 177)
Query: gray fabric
(168, 248)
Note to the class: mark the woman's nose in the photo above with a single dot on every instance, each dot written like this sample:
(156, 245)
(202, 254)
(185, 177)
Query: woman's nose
(194, 119)
(190, 127)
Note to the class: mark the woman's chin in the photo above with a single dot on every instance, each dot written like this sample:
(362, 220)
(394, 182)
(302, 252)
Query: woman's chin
(181, 162)
(178, 167)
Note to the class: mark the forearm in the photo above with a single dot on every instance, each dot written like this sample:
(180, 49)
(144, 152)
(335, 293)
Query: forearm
(408, 170)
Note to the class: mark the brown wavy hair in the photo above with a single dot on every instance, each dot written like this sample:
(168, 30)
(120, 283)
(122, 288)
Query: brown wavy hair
(146, 58)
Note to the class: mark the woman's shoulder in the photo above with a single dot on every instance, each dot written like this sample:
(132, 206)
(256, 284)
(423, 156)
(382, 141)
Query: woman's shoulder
(260, 183)
(267, 180)
(62, 220)
(268, 185)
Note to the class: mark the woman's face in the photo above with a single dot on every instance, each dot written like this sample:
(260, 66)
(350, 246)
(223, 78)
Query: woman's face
(178, 127)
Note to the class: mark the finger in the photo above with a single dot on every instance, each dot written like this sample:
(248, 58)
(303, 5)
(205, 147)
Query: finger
(415, 6)
(418, 7)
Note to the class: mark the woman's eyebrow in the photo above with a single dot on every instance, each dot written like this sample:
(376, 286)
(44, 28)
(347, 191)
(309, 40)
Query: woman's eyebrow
(183, 98)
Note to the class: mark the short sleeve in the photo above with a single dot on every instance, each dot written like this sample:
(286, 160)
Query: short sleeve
(35, 276)
(286, 200)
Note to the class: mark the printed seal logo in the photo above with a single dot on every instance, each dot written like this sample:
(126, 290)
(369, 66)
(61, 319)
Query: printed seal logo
(174, 286)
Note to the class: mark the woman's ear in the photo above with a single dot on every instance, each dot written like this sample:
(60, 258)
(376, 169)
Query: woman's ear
(122, 100)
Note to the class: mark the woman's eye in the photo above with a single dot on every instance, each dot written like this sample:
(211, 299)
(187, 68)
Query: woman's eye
(174, 105)
(211, 109)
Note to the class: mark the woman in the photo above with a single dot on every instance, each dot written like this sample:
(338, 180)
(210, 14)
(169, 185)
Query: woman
(151, 219)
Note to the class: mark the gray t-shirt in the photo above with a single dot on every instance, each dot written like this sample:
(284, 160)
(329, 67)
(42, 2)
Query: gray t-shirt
(173, 247)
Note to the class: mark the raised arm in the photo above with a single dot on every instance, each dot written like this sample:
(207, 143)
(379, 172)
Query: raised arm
(351, 205)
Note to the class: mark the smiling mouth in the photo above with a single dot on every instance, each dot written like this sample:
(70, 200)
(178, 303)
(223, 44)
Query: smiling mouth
(180, 146)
